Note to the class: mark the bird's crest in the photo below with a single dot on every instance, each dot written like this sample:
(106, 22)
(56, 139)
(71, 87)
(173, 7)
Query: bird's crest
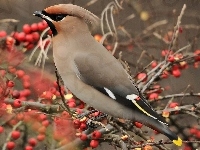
(73, 10)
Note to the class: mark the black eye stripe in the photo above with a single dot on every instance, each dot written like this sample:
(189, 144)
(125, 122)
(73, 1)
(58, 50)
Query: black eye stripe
(55, 17)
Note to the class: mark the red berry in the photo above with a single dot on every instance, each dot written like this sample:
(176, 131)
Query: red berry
(26, 84)
(10, 84)
(55, 84)
(45, 23)
(156, 132)
(98, 37)
(83, 137)
(13, 122)
(17, 103)
(165, 74)
(53, 90)
(32, 141)
(76, 123)
(40, 137)
(176, 73)
(71, 104)
(180, 29)
(28, 147)
(20, 116)
(21, 36)
(1, 129)
(197, 55)
(83, 126)
(71, 100)
(10, 145)
(153, 96)
(171, 58)
(42, 117)
(2, 73)
(26, 28)
(157, 88)
(22, 98)
(48, 95)
(36, 36)
(15, 34)
(142, 76)
(165, 52)
(42, 129)
(41, 26)
(138, 124)
(109, 47)
(20, 73)
(193, 130)
(154, 64)
(45, 123)
(198, 134)
(81, 105)
(3, 34)
(26, 78)
(29, 38)
(96, 134)
(15, 134)
(173, 104)
(29, 46)
(174, 67)
(15, 94)
(25, 93)
(94, 143)
(187, 148)
(34, 27)
(10, 41)
(183, 65)
(11, 69)
(65, 114)
(49, 32)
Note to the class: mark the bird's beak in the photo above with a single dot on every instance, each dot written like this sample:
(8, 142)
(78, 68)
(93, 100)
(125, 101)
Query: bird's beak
(44, 15)
(38, 14)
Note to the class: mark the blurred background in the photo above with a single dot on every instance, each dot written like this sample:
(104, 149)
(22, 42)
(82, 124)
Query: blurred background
(135, 17)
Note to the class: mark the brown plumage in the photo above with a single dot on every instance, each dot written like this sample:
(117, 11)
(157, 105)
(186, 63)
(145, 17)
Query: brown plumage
(73, 10)
(91, 73)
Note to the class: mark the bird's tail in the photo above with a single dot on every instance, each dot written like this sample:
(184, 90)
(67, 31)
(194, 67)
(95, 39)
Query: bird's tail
(164, 129)
(156, 121)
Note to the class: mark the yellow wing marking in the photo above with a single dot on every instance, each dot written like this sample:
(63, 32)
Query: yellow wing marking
(178, 142)
(139, 107)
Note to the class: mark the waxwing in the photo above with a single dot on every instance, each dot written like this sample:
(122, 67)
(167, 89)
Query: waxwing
(91, 73)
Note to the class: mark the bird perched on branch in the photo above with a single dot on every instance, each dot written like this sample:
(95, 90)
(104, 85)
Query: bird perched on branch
(91, 73)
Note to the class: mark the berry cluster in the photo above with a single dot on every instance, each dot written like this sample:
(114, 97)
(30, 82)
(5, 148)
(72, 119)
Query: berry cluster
(178, 62)
(30, 34)
(27, 38)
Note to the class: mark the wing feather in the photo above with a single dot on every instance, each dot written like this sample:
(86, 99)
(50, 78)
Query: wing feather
(109, 77)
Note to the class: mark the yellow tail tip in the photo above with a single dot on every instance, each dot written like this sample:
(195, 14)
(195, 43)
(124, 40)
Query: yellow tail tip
(178, 142)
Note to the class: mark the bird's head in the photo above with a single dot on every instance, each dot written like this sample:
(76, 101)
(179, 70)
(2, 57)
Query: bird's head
(63, 15)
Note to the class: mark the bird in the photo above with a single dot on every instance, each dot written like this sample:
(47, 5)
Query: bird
(91, 73)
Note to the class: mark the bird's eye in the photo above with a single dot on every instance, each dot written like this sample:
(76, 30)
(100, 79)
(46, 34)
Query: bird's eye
(59, 17)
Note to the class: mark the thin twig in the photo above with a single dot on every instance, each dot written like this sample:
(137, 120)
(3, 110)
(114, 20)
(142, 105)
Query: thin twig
(9, 135)
(61, 94)
(176, 31)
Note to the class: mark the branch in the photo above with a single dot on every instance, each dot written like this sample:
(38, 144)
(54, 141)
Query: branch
(36, 105)
(178, 108)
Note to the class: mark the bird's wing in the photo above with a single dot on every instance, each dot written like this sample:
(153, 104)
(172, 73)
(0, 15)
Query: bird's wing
(108, 76)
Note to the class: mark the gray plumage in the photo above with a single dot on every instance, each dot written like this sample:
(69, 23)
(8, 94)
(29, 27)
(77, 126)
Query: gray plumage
(87, 68)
